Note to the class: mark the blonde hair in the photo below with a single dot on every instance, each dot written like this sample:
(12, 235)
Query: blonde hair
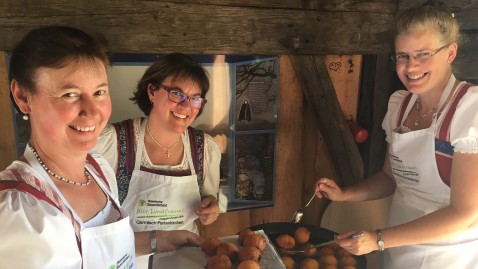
(427, 18)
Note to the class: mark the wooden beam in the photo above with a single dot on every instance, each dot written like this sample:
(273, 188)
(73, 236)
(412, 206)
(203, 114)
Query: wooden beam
(320, 93)
(133, 26)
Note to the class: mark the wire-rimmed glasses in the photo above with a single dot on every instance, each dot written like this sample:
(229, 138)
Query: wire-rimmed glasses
(176, 95)
(421, 56)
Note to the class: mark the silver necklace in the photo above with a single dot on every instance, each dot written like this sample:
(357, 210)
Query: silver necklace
(48, 170)
(156, 141)
(417, 120)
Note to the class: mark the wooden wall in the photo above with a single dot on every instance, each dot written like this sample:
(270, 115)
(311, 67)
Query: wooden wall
(277, 27)
(212, 26)
(302, 155)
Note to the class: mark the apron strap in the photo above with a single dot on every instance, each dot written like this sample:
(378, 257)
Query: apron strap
(91, 160)
(403, 107)
(444, 129)
(97, 168)
(443, 148)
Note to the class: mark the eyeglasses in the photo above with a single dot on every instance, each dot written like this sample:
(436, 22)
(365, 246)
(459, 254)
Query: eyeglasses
(176, 95)
(420, 56)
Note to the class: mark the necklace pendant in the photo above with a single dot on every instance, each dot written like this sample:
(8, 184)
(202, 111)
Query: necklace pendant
(416, 123)
(167, 153)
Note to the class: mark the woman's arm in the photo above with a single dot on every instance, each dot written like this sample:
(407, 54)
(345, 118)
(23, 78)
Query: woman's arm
(377, 186)
(208, 210)
(212, 161)
(460, 216)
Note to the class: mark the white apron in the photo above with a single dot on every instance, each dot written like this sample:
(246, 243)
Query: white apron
(102, 247)
(159, 202)
(420, 191)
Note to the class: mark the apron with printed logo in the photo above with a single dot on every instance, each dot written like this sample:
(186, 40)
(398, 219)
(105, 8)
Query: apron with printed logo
(103, 247)
(161, 202)
(421, 191)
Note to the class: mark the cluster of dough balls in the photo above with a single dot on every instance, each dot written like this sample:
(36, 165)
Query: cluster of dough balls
(327, 257)
(225, 254)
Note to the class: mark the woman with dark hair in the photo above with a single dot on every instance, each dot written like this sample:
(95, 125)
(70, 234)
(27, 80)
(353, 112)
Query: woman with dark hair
(168, 172)
(58, 204)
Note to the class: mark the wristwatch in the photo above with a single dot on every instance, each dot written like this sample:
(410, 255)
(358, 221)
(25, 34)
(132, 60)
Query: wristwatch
(152, 237)
(380, 243)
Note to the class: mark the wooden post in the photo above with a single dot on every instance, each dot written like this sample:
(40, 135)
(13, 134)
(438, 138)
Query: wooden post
(8, 151)
(320, 93)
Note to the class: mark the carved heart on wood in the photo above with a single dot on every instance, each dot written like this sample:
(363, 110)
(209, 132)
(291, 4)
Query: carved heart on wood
(335, 66)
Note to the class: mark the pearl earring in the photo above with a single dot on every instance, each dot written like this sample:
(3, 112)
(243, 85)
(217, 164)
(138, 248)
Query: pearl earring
(25, 117)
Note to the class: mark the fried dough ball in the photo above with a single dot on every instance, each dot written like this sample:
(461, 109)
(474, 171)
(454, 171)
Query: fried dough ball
(347, 260)
(285, 241)
(255, 240)
(309, 250)
(219, 262)
(328, 259)
(249, 264)
(301, 235)
(250, 253)
(243, 234)
(309, 263)
(328, 266)
(209, 246)
(288, 262)
(228, 249)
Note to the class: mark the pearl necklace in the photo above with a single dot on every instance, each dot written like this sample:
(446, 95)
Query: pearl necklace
(156, 141)
(424, 115)
(48, 170)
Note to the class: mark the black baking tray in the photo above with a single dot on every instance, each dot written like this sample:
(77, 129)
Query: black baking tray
(317, 235)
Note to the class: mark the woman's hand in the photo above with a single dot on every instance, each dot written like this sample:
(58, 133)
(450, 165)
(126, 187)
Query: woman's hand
(360, 244)
(208, 210)
(171, 240)
(326, 187)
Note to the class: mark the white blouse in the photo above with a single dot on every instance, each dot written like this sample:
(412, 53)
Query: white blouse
(464, 124)
(107, 146)
(35, 234)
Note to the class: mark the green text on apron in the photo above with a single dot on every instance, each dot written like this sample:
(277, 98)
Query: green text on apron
(420, 191)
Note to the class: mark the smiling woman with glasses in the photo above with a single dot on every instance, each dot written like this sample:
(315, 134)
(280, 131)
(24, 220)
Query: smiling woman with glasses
(168, 172)
(430, 167)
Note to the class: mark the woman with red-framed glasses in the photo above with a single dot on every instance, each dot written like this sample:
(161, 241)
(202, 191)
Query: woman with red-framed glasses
(168, 172)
